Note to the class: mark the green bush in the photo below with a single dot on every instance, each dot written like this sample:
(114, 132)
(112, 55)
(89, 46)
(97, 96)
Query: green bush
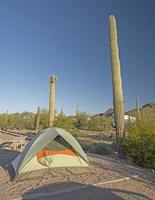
(94, 123)
(100, 123)
(64, 122)
(82, 121)
(139, 143)
(25, 120)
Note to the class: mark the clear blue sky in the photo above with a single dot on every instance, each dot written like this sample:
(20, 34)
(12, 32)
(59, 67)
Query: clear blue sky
(69, 38)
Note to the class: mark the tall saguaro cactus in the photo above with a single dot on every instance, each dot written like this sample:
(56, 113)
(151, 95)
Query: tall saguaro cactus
(52, 100)
(117, 84)
(38, 119)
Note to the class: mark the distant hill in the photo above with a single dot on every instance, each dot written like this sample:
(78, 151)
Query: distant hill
(107, 113)
(148, 111)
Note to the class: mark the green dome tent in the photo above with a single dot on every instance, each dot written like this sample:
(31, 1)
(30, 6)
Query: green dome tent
(52, 151)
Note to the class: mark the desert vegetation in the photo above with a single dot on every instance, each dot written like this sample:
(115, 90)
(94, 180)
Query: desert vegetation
(95, 133)
(139, 143)
(28, 120)
(25, 120)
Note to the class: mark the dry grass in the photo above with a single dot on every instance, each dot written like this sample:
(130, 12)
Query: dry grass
(99, 142)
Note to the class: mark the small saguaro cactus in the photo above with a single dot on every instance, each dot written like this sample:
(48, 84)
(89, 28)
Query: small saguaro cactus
(143, 114)
(137, 108)
(62, 112)
(52, 100)
(77, 109)
(37, 119)
(118, 100)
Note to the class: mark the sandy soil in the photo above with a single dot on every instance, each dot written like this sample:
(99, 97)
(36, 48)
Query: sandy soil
(83, 187)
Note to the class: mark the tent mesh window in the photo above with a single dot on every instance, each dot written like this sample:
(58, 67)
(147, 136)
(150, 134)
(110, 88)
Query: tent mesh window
(58, 146)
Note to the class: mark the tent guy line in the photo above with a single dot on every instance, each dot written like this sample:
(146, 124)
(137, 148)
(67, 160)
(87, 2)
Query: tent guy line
(41, 194)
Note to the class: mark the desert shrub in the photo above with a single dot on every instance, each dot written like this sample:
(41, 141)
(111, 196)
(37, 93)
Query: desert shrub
(25, 120)
(3, 120)
(94, 123)
(139, 143)
(64, 122)
(100, 123)
(82, 121)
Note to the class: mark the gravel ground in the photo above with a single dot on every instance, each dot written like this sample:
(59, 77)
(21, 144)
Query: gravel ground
(11, 190)
(81, 187)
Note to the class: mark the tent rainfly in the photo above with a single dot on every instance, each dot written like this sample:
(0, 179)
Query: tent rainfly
(53, 151)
